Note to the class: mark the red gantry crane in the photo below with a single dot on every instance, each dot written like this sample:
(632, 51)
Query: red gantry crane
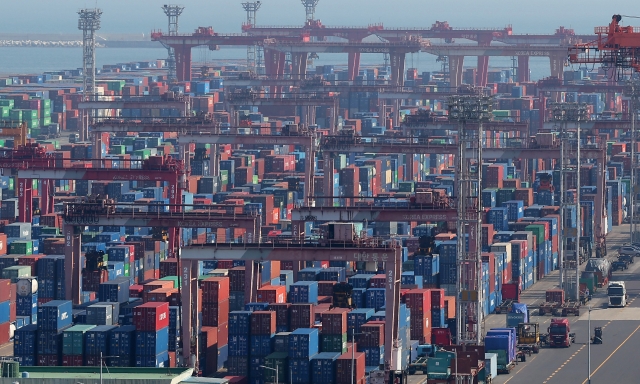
(616, 48)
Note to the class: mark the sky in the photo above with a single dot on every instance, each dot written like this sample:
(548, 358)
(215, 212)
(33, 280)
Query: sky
(226, 16)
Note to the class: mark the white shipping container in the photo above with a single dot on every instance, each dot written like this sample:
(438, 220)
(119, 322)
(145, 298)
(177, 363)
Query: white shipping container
(502, 247)
(491, 362)
(343, 231)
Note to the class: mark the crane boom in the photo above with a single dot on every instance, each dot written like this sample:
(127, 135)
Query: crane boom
(616, 47)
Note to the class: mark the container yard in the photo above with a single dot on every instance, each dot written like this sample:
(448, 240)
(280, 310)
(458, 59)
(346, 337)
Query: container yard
(279, 222)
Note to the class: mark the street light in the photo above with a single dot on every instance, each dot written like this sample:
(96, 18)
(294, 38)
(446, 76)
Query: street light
(272, 369)
(564, 113)
(463, 109)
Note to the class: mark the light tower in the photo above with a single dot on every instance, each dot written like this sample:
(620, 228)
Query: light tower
(310, 8)
(254, 55)
(88, 23)
(570, 254)
(172, 12)
(469, 109)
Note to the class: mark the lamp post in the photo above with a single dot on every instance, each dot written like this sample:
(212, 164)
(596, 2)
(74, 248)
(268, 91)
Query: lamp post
(101, 363)
(589, 350)
(564, 113)
(470, 108)
(272, 369)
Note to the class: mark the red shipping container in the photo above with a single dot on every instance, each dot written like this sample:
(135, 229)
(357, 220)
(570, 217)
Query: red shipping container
(237, 379)
(153, 285)
(209, 347)
(92, 361)
(215, 289)
(263, 323)
(301, 316)
(282, 313)
(272, 294)
(378, 281)
(344, 373)
(419, 301)
(214, 314)
(72, 360)
(161, 295)
(5, 290)
(441, 336)
(449, 307)
(223, 334)
(151, 316)
(136, 291)
(4, 331)
(371, 335)
(319, 310)
(48, 361)
(334, 321)
(225, 264)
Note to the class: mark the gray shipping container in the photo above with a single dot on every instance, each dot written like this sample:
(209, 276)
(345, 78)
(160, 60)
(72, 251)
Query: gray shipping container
(18, 230)
(491, 362)
(100, 314)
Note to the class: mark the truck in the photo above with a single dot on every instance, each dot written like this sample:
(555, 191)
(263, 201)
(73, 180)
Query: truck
(617, 292)
(560, 333)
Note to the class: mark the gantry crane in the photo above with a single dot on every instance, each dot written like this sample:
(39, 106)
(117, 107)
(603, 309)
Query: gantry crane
(616, 48)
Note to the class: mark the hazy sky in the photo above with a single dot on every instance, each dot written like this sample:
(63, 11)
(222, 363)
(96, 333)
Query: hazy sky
(226, 16)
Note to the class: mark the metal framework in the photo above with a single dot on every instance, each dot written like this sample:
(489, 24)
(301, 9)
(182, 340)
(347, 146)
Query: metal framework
(172, 12)
(88, 23)
(633, 92)
(310, 8)
(254, 56)
(570, 161)
(469, 109)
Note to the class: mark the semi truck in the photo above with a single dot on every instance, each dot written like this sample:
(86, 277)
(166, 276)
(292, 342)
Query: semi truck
(617, 292)
(560, 333)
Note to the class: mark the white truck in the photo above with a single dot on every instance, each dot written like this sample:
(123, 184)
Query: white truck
(617, 292)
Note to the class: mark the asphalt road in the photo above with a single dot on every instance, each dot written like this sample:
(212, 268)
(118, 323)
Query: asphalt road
(614, 361)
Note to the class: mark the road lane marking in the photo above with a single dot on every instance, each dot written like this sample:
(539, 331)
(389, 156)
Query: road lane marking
(563, 364)
(520, 370)
(614, 351)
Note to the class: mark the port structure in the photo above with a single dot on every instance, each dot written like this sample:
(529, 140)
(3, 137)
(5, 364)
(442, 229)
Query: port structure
(253, 59)
(32, 162)
(172, 12)
(570, 163)
(88, 23)
(80, 214)
(199, 131)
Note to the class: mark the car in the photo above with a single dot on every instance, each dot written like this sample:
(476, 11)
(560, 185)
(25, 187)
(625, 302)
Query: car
(629, 250)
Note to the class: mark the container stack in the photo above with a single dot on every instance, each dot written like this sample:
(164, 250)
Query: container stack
(73, 345)
(303, 346)
(334, 330)
(97, 342)
(239, 339)
(263, 330)
(152, 334)
(53, 318)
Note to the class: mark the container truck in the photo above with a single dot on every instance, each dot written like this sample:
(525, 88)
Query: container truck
(560, 333)
(617, 292)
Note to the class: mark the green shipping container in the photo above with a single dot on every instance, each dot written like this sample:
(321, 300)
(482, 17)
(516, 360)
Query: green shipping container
(127, 269)
(32, 123)
(334, 343)
(45, 105)
(117, 150)
(224, 177)
(21, 247)
(4, 112)
(279, 361)
(50, 231)
(15, 115)
(255, 179)
(16, 272)
(7, 103)
(538, 231)
(73, 339)
(142, 153)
